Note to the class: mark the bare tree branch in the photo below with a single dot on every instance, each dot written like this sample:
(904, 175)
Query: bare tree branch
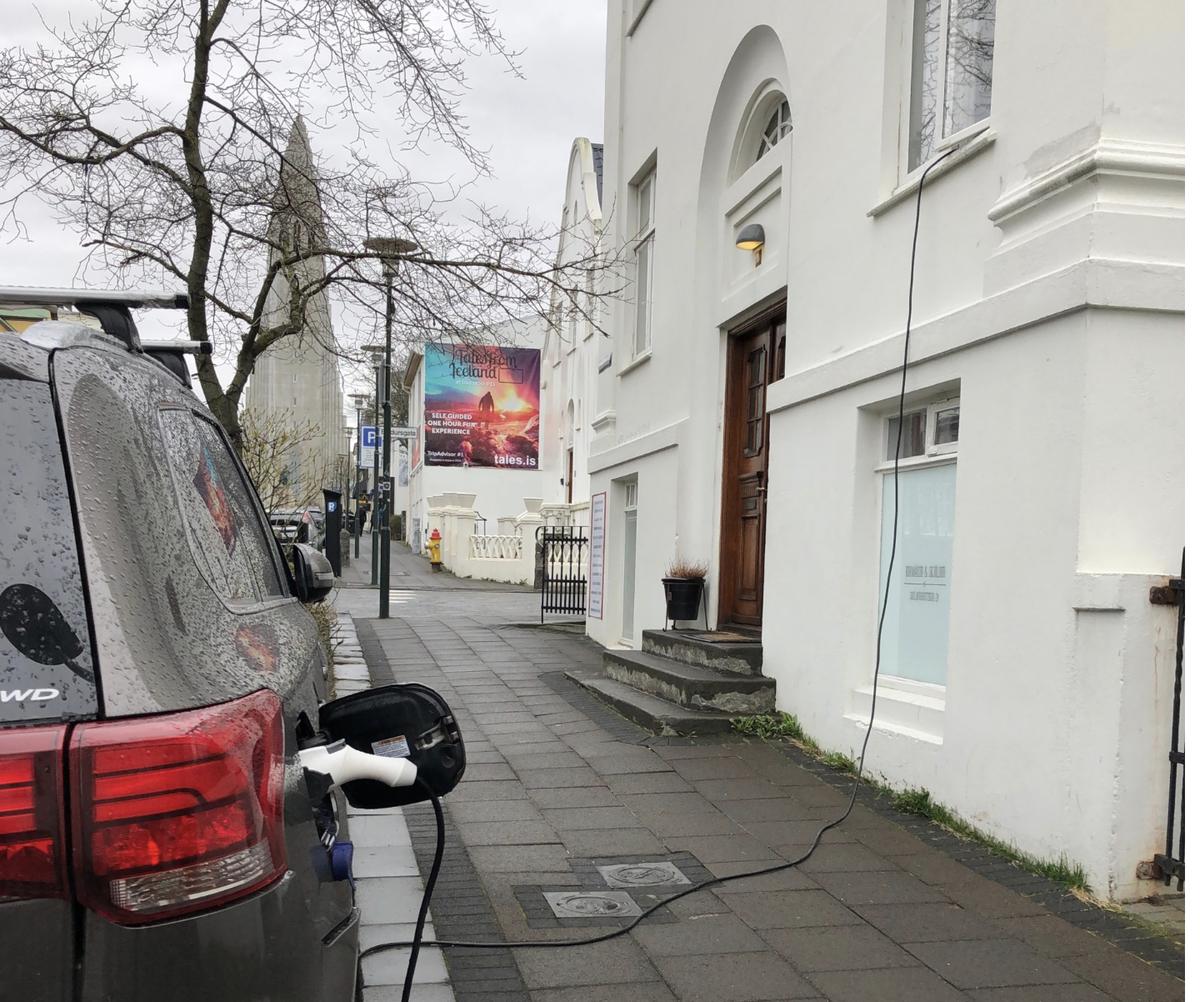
(213, 185)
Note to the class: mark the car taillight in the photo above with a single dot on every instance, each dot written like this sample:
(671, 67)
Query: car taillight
(32, 855)
(178, 813)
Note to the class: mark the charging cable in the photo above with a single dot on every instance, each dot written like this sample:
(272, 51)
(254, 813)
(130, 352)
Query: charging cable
(415, 945)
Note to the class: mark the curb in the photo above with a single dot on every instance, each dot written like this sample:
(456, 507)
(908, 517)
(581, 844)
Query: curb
(388, 884)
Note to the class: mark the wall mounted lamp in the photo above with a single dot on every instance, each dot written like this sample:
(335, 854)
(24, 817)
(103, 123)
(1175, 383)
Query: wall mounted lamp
(752, 238)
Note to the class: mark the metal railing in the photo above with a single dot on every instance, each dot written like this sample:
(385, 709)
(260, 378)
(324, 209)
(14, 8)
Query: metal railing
(564, 569)
(1169, 863)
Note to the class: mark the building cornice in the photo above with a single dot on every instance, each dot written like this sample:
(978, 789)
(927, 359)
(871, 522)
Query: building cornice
(1107, 156)
(1091, 284)
(651, 442)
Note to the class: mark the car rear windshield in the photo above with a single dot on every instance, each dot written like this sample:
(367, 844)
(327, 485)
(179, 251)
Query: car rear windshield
(46, 670)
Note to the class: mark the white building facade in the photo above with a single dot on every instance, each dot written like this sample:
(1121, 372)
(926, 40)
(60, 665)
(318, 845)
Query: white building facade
(575, 345)
(1026, 679)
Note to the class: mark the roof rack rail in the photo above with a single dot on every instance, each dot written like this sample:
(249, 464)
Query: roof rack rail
(170, 354)
(111, 307)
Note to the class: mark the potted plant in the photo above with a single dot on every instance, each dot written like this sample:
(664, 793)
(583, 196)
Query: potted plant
(684, 588)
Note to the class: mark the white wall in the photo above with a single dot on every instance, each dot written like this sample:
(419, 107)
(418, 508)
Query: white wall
(1048, 295)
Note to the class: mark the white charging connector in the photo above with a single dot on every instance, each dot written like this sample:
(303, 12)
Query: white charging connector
(343, 764)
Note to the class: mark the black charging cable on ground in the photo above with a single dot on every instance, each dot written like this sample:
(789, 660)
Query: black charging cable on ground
(604, 937)
(423, 910)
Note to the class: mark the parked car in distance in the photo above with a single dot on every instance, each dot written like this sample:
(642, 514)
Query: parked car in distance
(296, 525)
(159, 838)
(284, 526)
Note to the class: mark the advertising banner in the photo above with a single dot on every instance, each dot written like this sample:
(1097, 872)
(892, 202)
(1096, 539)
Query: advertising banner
(482, 406)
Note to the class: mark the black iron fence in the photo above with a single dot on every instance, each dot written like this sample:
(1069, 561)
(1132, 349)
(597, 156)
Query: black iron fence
(1170, 862)
(563, 569)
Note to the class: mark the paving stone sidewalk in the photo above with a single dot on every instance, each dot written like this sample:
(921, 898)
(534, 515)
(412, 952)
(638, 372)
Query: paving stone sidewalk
(888, 909)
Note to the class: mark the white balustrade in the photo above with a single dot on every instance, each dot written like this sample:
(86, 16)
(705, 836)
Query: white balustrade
(496, 547)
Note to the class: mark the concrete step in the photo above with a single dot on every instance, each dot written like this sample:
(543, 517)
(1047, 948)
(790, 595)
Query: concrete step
(657, 715)
(731, 656)
(691, 686)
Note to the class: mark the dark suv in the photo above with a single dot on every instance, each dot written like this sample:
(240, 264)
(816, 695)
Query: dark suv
(158, 839)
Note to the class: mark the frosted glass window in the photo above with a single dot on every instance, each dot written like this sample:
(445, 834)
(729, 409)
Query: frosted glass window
(917, 626)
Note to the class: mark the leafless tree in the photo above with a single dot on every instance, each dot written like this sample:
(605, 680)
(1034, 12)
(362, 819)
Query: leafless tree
(169, 134)
(285, 471)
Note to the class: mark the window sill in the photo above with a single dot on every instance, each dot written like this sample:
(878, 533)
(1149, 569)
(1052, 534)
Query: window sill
(967, 151)
(914, 710)
(642, 359)
(919, 462)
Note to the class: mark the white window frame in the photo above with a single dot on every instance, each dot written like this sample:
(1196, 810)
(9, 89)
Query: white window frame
(643, 243)
(939, 145)
(934, 454)
(783, 128)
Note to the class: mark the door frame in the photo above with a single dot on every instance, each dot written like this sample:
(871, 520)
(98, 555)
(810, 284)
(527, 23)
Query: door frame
(728, 496)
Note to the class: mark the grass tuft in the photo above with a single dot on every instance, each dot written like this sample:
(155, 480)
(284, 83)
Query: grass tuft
(917, 802)
(767, 726)
(1061, 870)
(842, 763)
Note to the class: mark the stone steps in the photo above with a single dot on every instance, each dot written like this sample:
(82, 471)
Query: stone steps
(689, 685)
(742, 658)
(679, 684)
(658, 715)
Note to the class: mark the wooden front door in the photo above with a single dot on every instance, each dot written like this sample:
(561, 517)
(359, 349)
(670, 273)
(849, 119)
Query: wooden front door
(756, 357)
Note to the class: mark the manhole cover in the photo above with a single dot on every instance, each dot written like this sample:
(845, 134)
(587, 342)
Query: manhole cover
(642, 874)
(591, 904)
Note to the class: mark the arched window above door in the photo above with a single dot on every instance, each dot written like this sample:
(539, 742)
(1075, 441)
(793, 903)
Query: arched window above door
(765, 123)
(778, 126)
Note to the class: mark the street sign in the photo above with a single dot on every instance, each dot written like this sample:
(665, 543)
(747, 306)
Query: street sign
(403, 431)
(385, 486)
(366, 451)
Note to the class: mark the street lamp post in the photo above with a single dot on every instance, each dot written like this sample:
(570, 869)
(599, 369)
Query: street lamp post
(359, 399)
(375, 351)
(349, 463)
(389, 250)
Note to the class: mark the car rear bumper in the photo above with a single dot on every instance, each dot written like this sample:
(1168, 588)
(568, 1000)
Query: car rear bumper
(263, 948)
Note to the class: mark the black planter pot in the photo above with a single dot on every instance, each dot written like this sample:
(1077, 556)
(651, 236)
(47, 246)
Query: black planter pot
(684, 596)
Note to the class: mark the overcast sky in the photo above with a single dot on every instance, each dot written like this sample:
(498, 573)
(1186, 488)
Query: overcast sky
(526, 125)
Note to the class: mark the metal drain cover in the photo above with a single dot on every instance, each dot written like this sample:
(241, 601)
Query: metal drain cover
(642, 874)
(591, 904)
